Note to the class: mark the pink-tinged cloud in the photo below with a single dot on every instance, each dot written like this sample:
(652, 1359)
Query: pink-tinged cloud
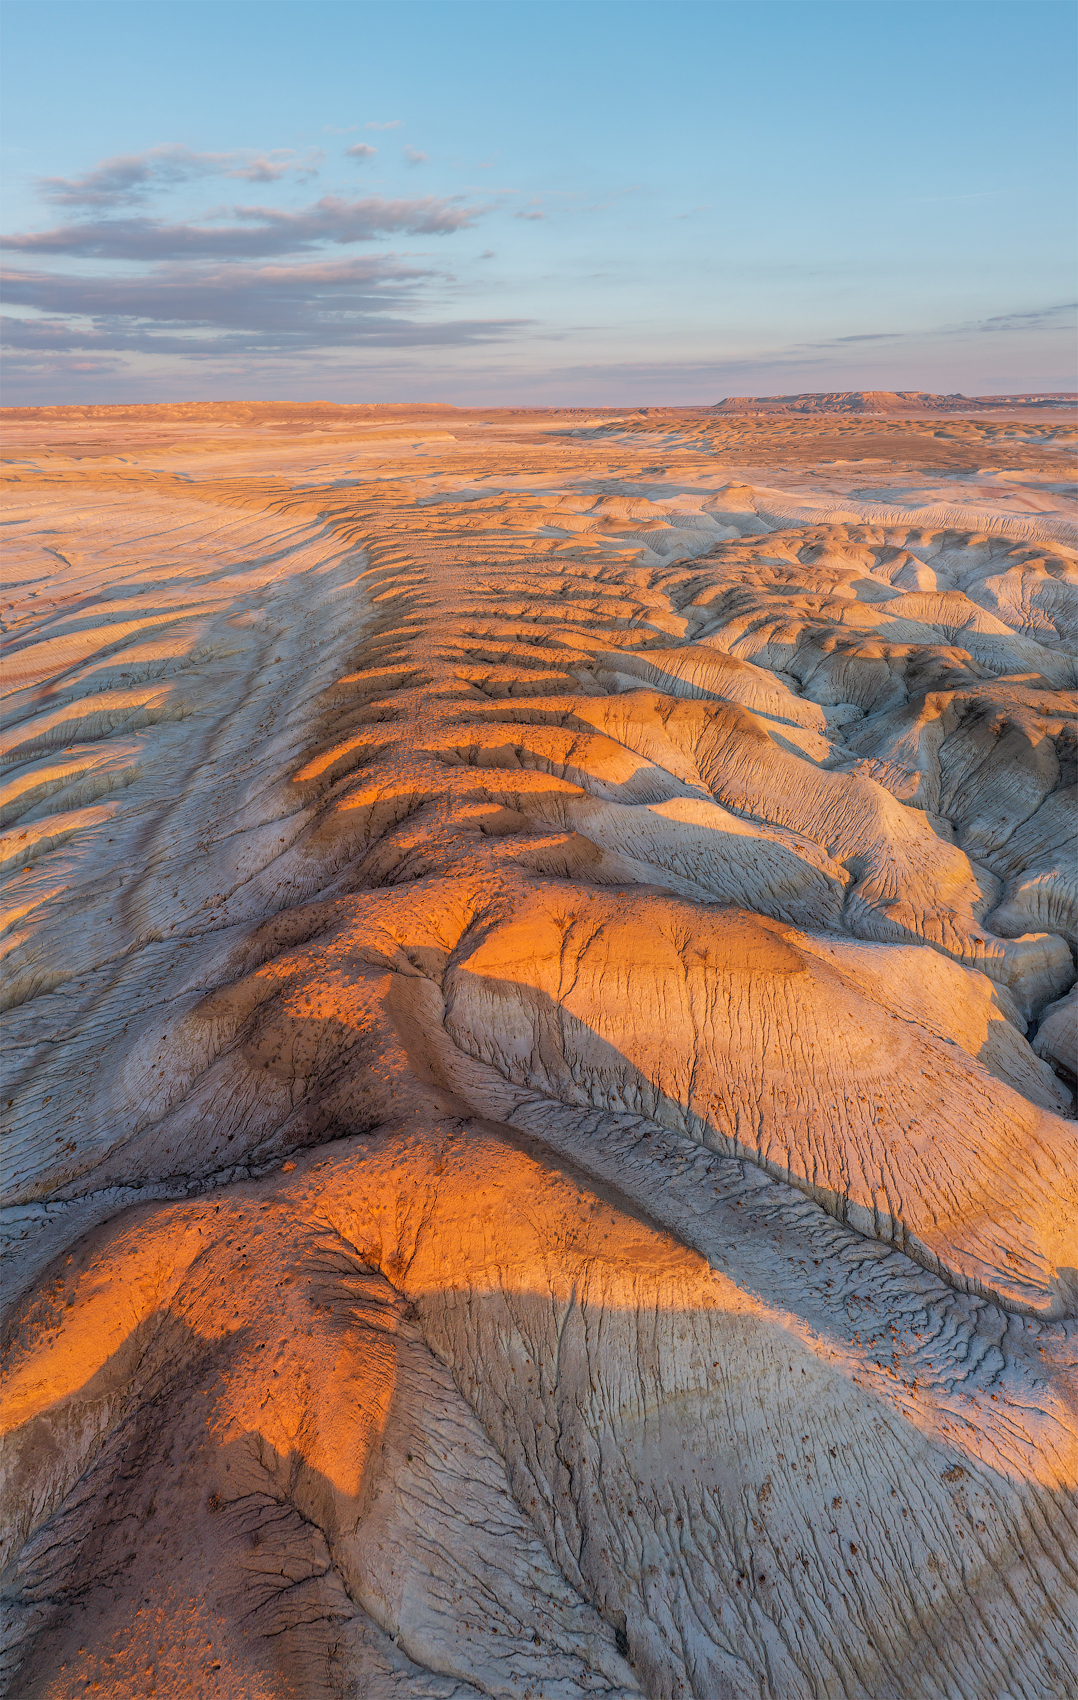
(200, 311)
(262, 231)
(196, 293)
(129, 178)
(360, 150)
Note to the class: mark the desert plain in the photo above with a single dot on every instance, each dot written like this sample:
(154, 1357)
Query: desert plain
(539, 1052)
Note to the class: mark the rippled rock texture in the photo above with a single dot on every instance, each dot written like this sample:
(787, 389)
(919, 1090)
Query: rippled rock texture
(540, 1054)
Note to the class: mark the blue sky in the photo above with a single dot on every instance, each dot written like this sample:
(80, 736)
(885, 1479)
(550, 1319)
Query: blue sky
(505, 202)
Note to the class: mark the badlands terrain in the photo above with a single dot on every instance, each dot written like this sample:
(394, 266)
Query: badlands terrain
(540, 1053)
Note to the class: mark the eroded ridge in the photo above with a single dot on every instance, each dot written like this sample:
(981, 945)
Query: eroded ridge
(539, 1058)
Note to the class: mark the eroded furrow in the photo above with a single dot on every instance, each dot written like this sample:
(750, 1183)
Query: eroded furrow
(539, 1065)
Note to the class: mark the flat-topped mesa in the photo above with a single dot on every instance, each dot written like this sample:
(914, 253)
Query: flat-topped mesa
(888, 401)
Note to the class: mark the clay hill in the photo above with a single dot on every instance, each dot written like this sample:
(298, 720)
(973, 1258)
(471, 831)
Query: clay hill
(539, 1072)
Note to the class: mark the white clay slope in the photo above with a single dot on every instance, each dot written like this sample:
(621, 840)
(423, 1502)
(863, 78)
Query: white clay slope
(539, 1056)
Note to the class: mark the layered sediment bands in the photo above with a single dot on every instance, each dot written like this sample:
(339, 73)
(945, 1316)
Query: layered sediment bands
(540, 1056)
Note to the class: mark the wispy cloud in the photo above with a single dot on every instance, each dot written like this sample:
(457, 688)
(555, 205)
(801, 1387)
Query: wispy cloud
(60, 364)
(246, 283)
(127, 179)
(862, 336)
(1032, 319)
(260, 231)
(224, 295)
(228, 310)
(392, 124)
(414, 156)
(1028, 319)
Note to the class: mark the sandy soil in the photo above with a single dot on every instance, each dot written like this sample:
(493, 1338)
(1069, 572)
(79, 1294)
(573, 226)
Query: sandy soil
(539, 1053)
